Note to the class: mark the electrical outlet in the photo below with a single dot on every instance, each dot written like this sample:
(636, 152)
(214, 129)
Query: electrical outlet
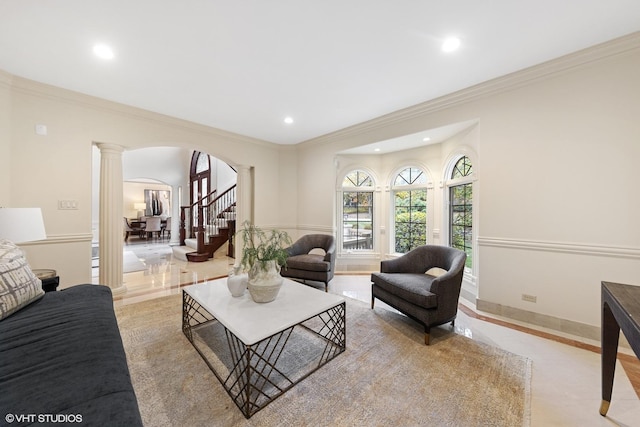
(529, 298)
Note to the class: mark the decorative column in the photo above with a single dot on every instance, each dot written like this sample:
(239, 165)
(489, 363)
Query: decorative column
(244, 202)
(111, 224)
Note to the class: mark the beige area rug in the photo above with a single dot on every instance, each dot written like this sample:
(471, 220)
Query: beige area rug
(386, 377)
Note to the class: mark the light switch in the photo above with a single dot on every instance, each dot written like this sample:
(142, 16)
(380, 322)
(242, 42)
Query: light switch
(67, 205)
(41, 129)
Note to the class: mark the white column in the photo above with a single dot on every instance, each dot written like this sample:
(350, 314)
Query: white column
(111, 223)
(244, 202)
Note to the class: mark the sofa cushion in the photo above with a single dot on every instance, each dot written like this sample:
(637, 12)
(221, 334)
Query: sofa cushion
(63, 354)
(411, 287)
(308, 262)
(18, 285)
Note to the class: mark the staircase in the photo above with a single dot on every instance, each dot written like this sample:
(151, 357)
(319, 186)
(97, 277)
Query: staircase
(206, 225)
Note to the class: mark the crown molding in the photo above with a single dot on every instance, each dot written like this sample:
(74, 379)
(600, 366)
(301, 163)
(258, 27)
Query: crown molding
(6, 79)
(620, 46)
(37, 89)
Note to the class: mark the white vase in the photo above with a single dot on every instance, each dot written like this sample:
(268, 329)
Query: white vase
(236, 282)
(264, 283)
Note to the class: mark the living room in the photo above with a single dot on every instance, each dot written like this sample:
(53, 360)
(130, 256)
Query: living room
(553, 148)
(577, 252)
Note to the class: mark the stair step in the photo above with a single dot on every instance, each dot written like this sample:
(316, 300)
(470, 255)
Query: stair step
(192, 243)
(180, 252)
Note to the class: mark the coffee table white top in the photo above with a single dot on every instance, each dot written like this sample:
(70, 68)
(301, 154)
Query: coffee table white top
(252, 322)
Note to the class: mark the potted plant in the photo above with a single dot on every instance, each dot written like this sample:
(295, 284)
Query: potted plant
(263, 255)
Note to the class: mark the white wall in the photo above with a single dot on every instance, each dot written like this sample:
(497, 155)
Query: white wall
(5, 138)
(60, 164)
(557, 206)
(225, 176)
(556, 147)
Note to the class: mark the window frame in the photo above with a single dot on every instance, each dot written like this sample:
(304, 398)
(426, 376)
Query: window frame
(342, 190)
(449, 183)
(394, 189)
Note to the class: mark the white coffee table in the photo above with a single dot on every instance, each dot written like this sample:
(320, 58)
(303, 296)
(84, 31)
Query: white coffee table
(259, 351)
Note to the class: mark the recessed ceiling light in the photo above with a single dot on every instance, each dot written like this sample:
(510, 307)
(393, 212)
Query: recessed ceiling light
(376, 149)
(103, 51)
(288, 120)
(450, 44)
(425, 139)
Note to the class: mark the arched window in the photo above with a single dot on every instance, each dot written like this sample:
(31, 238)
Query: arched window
(200, 176)
(410, 209)
(461, 209)
(357, 211)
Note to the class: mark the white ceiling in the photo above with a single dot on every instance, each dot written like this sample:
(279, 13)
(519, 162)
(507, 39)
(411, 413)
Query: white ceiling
(244, 65)
(414, 140)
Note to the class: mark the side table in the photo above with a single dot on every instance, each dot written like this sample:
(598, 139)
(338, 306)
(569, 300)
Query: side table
(620, 310)
(50, 279)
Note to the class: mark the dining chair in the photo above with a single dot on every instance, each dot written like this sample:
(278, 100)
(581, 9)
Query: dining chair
(153, 226)
(127, 229)
(167, 227)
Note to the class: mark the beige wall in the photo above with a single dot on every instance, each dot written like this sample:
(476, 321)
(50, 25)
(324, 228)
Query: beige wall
(60, 165)
(555, 147)
(556, 150)
(5, 138)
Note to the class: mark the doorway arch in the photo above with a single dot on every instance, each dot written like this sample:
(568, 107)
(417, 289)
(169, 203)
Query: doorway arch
(114, 212)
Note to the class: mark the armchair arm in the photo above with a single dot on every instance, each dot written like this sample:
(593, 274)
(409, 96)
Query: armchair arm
(451, 280)
(298, 248)
(390, 266)
(330, 252)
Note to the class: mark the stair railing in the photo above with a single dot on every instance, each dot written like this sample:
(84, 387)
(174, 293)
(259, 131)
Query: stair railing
(209, 217)
(192, 217)
(219, 211)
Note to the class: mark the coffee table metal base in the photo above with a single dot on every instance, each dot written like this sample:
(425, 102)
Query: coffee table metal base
(254, 375)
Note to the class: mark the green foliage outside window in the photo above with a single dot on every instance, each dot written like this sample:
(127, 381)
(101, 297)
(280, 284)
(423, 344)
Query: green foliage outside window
(410, 219)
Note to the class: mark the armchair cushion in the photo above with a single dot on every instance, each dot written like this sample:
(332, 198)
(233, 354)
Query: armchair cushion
(309, 262)
(410, 287)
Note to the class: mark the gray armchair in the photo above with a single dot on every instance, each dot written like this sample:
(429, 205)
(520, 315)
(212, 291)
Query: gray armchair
(311, 266)
(428, 298)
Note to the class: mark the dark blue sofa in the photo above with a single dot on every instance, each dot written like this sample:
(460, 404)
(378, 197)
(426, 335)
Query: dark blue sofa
(62, 356)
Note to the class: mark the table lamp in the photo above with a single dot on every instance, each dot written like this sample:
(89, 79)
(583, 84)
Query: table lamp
(21, 225)
(141, 208)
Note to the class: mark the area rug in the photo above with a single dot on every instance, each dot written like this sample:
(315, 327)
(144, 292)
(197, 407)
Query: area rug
(386, 377)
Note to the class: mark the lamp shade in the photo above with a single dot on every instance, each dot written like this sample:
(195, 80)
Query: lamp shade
(139, 206)
(22, 225)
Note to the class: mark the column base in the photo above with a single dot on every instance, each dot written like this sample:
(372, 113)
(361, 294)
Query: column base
(119, 290)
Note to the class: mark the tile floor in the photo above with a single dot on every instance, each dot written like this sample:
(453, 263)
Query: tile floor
(565, 387)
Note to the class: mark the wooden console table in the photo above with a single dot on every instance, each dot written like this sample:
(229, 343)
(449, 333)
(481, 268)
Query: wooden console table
(620, 310)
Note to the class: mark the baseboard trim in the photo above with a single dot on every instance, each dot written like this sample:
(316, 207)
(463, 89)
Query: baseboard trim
(468, 295)
(557, 324)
